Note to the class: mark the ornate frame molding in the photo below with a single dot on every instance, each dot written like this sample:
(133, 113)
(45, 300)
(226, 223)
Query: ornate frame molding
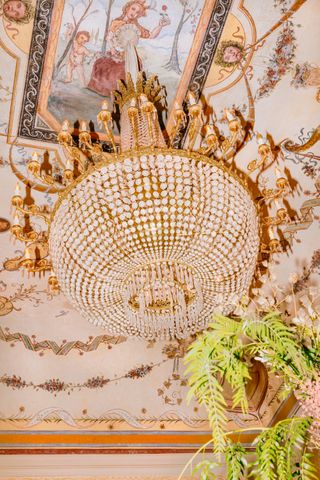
(209, 45)
(28, 125)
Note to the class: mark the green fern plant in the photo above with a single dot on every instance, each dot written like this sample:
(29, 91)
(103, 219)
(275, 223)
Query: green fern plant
(236, 462)
(224, 353)
(277, 448)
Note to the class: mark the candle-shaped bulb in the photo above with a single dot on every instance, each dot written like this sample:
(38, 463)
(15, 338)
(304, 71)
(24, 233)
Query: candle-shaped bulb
(16, 220)
(209, 130)
(278, 203)
(27, 254)
(65, 126)
(133, 102)
(271, 233)
(83, 127)
(17, 190)
(177, 106)
(278, 173)
(230, 115)
(105, 105)
(260, 139)
(191, 98)
(69, 165)
(35, 157)
(143, 98)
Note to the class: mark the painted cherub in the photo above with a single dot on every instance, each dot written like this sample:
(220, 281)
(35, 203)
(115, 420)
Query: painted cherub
(77, 57)
(17, 11)
(307, 75)
(229, 54)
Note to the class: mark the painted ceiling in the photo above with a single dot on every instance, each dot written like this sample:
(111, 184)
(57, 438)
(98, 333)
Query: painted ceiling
(58, 373)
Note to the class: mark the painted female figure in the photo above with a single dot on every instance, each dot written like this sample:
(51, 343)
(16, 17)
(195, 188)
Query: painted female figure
(110, 68)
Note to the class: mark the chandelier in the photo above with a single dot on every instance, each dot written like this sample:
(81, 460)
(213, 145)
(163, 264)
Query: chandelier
(147, 239)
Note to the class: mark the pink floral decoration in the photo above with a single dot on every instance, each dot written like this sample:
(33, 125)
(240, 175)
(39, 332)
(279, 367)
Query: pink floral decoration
(309, 399)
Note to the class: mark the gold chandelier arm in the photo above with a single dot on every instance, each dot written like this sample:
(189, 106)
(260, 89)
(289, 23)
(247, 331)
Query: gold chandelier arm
(180, 120)
(36, 266)
(280, 218)
(29, 183)
(262, 163)
(194, 129)
(295, 147)
(255, 164)
(46, 179)
(273, 194)
(35, 210)
(32, 236)
(232, 144)
(110, 135)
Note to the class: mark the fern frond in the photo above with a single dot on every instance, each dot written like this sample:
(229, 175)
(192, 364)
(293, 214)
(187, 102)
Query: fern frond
(279, 345)
(236, 372)
(205, 386)
(278, 447)
(271, 330)
(267, 459)
(210, 394)
(227, 326)
(206, 470)
(236, 462)
(307, 469)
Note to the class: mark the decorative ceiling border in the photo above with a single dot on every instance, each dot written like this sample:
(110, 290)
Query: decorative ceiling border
(209, 46)
(28, 125)
(161, 438)
(111, 420)
(55, 385)
(63, 349)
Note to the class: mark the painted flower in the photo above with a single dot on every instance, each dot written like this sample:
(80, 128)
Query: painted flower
(53, 385)
(13, 381)
(96, 382)
(309, 399)
(139, 372)
(280, 62)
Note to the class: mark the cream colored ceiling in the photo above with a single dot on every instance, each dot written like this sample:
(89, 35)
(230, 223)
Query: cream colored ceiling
(127, 384)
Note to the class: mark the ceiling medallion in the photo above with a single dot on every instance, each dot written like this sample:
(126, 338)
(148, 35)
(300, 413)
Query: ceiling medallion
(146, 239)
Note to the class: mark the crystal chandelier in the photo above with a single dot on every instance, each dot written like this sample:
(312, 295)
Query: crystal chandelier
(146, 239)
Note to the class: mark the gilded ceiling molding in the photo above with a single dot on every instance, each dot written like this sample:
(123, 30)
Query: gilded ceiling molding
(297, 147)
(114, 419)
(50, 345)
(304, 222)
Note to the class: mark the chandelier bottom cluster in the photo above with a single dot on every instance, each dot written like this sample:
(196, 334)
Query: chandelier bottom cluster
(165, 294)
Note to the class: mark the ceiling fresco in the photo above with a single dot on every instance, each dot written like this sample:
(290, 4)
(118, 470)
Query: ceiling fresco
(58, 373)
